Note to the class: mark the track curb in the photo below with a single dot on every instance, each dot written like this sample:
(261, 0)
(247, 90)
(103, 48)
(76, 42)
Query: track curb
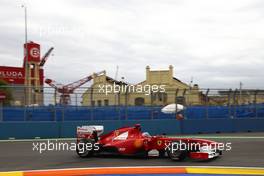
(139, 170)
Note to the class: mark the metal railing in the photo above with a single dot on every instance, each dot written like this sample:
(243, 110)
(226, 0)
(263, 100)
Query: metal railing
(91, 104)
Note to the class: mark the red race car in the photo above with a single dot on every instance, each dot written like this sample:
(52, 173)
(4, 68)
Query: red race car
(132, 141)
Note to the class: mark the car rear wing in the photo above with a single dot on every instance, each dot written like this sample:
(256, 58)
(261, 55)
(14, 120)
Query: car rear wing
(90, 129)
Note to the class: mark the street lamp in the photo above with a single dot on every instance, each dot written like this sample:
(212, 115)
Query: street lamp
(26, 57)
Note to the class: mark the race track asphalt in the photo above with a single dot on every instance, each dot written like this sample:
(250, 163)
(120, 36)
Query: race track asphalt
(247, 151)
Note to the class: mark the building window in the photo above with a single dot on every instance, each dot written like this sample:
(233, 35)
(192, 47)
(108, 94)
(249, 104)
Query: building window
(139, 101)
(99, 103)
(160, 97)
(180, 100)
(106, 102)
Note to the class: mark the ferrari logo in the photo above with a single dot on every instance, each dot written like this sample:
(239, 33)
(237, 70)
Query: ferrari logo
(138, 143)
(159, 142)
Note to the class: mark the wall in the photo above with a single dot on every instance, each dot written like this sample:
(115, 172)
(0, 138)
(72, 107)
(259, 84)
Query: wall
(26, 130)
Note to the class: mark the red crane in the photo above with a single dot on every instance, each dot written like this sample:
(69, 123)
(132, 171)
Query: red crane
(66, 90)
(45, 57)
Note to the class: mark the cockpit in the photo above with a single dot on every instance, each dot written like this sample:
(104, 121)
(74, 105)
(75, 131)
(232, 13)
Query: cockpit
(146, 134)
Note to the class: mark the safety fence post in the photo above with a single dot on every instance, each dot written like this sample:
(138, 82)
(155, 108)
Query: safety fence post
(76, 99)
(176, 101)
(1, 111)
(63, 113)
(92, 104)
(25, 102)
(54, 113)
(118, 106)
(255, 103)
(206, 102)
(151, 105)
(229, 102)
(184, 100)
(126, 103)
(235, 102)
(55, 96)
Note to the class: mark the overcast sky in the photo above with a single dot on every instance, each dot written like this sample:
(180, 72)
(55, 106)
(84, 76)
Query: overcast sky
(217, 42)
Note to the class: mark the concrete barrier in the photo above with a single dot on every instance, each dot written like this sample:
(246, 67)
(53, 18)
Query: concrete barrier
(207, 126)
(222, 125)
(27, 130)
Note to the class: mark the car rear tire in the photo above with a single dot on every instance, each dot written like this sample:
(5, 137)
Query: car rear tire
(176, 152)
(83, 152)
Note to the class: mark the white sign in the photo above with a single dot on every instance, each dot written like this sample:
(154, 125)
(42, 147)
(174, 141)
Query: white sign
(34, 52)
(11, 74)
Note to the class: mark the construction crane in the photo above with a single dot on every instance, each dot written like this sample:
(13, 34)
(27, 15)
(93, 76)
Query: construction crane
(66, 90)
(45, 57)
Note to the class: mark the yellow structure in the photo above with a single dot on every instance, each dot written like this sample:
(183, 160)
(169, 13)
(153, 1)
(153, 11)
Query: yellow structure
(33, 80)
(166, 89)
(32, 84)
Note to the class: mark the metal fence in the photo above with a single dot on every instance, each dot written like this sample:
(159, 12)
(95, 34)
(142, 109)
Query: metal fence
(84, 104)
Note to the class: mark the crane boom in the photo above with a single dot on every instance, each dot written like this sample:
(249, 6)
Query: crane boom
(82, 81)
(53, 84)
(68, 89)
(45, 57)
(78, 83)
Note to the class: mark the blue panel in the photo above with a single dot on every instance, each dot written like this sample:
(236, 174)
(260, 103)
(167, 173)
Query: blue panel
(207, 126)
(218, 112)
(41, 114)
(244, 125)
(260, 111)
(74, 114)
(195, 112)
(139, 113)
(243, 118)
(13, 114)
(105, 113)
(27, 130)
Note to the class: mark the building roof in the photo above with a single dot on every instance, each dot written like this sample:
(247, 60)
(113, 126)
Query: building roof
(180, 81)
(112, 80)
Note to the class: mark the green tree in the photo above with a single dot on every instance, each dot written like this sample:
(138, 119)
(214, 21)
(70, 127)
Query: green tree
(4, 88)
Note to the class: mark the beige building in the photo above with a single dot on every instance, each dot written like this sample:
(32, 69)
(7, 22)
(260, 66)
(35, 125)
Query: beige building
(159, 88)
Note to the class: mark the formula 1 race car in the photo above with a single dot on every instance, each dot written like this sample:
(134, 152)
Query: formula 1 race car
(132, 141)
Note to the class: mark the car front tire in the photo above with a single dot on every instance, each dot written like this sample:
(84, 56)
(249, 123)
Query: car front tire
(175, 151)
